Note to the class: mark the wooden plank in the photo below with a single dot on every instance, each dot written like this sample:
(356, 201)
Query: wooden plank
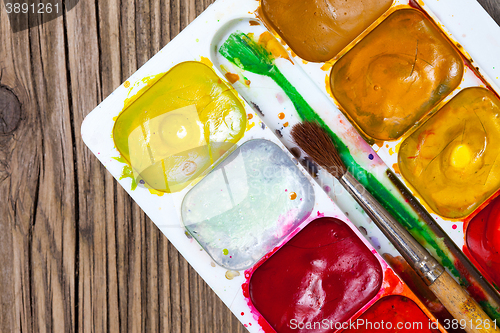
(108, 33)
(54, 233)
(19, 169)
(40, 182)
(93, 202)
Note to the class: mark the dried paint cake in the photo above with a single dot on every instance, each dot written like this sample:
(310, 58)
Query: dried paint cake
(396, 75)
(452, 160)
(325, 27)
(178, 127)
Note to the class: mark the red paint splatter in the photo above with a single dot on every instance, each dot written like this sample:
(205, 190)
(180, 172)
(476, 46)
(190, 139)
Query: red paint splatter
(243, 313)
(454, 227)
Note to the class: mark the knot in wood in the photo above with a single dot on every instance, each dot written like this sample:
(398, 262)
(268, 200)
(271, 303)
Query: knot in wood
(10, 111)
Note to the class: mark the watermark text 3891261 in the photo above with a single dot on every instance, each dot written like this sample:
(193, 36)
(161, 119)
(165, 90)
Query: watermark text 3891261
(24, 14)
(399, 326)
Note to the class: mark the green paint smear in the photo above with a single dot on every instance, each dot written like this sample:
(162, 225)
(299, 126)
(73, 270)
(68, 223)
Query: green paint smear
(245, 53)
(120, 159)
(127, 172)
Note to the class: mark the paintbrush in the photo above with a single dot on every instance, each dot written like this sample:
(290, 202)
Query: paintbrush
(316, 142)
(245, 53)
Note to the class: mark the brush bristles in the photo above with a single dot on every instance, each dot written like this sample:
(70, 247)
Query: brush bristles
(316, 143)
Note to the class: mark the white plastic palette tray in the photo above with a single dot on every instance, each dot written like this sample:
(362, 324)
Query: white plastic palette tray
(465, 20)
(165, 212)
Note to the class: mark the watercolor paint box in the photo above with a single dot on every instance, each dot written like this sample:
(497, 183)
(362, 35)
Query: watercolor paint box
(238, 162)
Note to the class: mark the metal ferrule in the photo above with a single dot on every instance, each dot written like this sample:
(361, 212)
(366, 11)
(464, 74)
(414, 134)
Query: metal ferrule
(414, 253)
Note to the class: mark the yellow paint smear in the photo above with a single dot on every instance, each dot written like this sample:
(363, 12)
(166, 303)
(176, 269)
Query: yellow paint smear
(146, 83)
(271, 44)
(396, 168)
(206, 61)
(326, 66)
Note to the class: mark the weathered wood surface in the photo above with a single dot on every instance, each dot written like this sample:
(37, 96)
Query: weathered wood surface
(76, 254)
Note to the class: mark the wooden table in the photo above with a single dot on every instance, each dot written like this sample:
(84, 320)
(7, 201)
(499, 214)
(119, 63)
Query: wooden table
(76, 254)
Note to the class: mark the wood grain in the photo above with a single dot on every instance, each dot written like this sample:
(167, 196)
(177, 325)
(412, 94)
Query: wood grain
(76, 254)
